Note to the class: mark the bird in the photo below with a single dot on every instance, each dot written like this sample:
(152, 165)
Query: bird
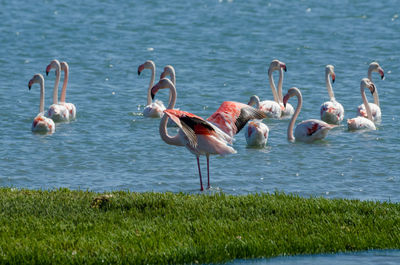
(256, 134)
(331, 111)
(205, 137)
(41, 124)
(287, 111)
(360, 122)
(70, 106)
(153, 109)
(57, 112)
(169, 70)
(308, 130)
(375, 107)
(272, 108)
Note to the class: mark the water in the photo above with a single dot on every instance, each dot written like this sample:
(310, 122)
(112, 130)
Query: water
(220, 51)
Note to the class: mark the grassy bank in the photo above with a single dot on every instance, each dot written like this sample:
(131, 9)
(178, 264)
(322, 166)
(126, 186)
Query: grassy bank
(63, 226)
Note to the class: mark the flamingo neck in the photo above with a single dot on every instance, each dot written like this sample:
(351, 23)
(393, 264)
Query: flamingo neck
(294, 117)
(153, 77)
(56, 84)
(41, 106)
(172, 140)
(329, 87)
(280, 85)
(173, 80)
(365, 101)
(65, 83)
(273, 87)
(375, 95)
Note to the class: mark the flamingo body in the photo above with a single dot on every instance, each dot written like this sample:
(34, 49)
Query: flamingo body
(375, 111)
(154, 109)
(311, 130)
(256, 134)
(332, 112)
(42, 124)
(360, 123)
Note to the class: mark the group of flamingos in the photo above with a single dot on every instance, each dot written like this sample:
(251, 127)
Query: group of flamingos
(215, 134)
(59, 111)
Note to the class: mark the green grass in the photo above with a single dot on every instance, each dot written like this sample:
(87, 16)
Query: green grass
(64, 226)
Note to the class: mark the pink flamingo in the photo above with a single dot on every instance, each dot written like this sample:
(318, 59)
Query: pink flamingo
(56, 112)
(41, 124)
(153, 109)
(360, 122)
(331, 111)
(306, 131)
(70, 107)
(272, 108)
(205, 137)
(375, 107)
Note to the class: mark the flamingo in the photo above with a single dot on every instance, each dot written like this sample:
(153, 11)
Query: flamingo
(272, 108)
(331, 111)
(70, 107)
(205, 137)
(306, 131)
(375, 107)
(169, 71)
(56, 112)
(41, 124)
(153, 109)
(256, 133)
(288, 110)
(360, 122)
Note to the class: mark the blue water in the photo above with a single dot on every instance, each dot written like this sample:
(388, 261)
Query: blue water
(221, 51)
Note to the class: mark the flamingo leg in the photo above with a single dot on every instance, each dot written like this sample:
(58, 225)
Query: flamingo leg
(201, 181)
(208, 171)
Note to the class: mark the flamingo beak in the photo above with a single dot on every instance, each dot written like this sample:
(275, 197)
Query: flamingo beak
(382, 74)
(140, 69)
(162, 75)
(285, 100)
(284, 67)
(333, 77)
(48, 68)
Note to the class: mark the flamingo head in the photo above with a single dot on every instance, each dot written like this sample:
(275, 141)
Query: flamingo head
(330, 70)
(163, 83)
(254, 100)
(168, 70)
(366, 83)
(276, 65)
(291, 92)
(147, 65)
(375, 67)
(53, 64)
(64, 66)
(37, 78)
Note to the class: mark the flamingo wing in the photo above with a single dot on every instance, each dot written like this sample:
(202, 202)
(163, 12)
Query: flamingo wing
(192, 125)
(231, 116)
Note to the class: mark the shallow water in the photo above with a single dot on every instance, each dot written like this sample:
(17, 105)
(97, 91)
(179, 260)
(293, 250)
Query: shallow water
(381, 257)
(221, 51)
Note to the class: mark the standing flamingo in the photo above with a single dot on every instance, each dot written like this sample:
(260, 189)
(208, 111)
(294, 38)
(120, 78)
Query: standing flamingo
(360, 122)
(306, 131)
(205, 137)
(257, 133)
(153, 109)
(375, 107)
(70, 107)
(272, 108)
(41, 124)
(56, 112)
(331, 111)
